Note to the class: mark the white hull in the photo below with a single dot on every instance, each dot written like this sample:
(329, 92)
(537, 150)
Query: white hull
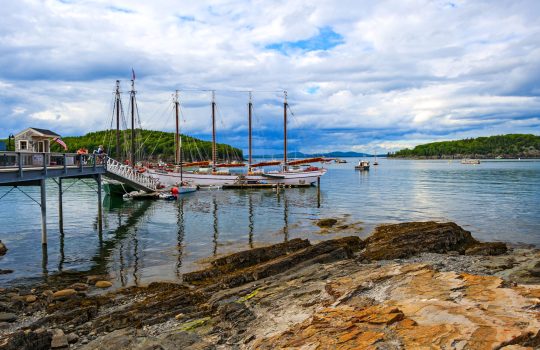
(293, 178)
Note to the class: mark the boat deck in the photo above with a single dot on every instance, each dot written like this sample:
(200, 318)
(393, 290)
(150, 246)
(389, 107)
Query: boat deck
(237, 186)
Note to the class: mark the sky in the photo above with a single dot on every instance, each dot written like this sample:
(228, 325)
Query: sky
(367, 76)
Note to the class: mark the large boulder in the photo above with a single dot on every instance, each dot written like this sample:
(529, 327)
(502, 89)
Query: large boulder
(404, 240)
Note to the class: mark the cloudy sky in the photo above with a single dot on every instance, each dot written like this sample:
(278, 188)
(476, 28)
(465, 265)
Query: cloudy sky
(360, 75)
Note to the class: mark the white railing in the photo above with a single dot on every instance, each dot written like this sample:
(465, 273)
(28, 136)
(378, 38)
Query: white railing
(131, 174)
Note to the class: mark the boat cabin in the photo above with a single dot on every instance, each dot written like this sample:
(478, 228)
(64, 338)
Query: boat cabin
(34, 140)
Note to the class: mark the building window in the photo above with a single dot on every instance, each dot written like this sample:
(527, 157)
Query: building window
(23, 145)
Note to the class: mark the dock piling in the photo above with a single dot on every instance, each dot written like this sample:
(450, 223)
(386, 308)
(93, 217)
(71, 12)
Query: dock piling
(43, 213)
(100, 212)
(318, 192)
(60, 206)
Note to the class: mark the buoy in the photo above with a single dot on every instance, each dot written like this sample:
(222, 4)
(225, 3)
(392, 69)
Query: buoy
(174, 190)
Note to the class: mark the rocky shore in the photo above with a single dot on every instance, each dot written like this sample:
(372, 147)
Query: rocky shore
(407, 286)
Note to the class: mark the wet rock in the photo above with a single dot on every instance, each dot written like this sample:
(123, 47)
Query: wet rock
(325, 223)
(6, 307)
(79, 287)
(72, 338)
(407, 239)
(5, 272)
(92, 279)
(535, 270)
(7, 317)
(246, 258)
(3, 248)
(39, 339)
(103, 284)
(487, 248)
(322, 252)
(30, 298)
(64, 294)
(59, 340)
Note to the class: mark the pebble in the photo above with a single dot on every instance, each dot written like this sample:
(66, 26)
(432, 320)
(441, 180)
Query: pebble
(7, 317)
(72, 338)
(103, 284)
(64, 293)
(30, 298)
(59, 340)
(79, 286)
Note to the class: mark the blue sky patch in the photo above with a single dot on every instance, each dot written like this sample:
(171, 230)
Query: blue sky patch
(326, 39)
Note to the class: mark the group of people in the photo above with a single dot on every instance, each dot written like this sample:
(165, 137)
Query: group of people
(82, 155)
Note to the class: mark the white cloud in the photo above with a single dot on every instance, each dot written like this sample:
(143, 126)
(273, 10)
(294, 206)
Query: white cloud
(406, 72)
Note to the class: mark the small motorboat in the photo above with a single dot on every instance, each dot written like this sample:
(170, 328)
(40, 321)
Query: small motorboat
(363, 165)
(470, 161)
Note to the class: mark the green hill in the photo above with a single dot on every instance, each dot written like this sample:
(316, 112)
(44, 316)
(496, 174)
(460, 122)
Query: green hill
(150, 145)
(506, 146)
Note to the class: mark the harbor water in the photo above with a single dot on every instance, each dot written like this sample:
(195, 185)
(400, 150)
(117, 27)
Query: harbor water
(144, 241)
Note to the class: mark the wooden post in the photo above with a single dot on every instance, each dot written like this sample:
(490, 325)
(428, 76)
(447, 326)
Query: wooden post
(100, 213)
(43, 213)
(318, 192)
(60, 207)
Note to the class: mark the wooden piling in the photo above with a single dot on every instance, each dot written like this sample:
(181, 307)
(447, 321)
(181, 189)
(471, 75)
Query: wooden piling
(100, 211)
(60, 206)
(43, 213)
(318, 192)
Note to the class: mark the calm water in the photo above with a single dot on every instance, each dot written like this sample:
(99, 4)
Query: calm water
(149, 240)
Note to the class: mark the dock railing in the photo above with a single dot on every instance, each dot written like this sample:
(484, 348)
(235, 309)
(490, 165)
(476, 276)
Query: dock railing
(30, 160)
(127, 172)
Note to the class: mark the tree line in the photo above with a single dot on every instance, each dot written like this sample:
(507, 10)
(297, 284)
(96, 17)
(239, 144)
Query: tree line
(149, 145)
(506, 146)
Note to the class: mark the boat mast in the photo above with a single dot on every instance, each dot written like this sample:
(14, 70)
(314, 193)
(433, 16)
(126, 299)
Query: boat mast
(132, 96)
(176, 134)
(285, 168)
(250, 109)
(117, 98)
(214, 162)
(178, 138)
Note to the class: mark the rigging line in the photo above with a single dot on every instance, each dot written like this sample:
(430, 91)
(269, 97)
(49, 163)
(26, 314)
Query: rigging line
(230, 90)
(164, 121)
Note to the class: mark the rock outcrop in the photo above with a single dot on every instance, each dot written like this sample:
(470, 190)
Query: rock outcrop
(407, 239)
(307, 296)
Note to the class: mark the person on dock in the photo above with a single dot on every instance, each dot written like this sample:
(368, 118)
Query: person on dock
(82, 154)
(100, 154)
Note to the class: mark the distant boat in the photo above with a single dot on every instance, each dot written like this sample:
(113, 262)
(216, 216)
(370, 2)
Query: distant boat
(470, 161)
(363, 165)
(498, 157)
(340, 161)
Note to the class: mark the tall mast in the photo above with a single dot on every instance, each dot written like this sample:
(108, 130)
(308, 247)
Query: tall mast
(285, 131)
(178, 139)
(177, 133)
(250, 109)
(132, 148)
(214, 160)
(117, 98)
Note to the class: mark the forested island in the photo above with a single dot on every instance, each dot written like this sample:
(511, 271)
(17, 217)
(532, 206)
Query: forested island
(149, 144)
(503, 146)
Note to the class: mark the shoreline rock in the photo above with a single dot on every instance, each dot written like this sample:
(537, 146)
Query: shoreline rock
(408, 285)
(3, 248)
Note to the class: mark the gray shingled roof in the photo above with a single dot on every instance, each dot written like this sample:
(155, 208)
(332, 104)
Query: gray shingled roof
(46, 132)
